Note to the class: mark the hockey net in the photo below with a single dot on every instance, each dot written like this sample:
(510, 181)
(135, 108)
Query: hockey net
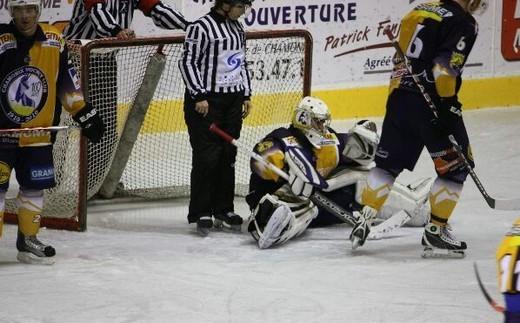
(159, 161)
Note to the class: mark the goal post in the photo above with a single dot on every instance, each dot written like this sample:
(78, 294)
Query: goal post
(156, 160)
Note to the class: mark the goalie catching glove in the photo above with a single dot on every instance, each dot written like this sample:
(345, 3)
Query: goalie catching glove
(303, 177)
(90, 122)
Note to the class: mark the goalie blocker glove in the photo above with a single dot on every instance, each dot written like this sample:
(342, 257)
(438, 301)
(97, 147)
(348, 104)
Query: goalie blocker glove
(90, 122)
(303, 177)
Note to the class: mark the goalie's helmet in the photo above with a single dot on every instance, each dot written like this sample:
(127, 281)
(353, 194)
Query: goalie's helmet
(312, 117)
(362, 142)
(21, 3)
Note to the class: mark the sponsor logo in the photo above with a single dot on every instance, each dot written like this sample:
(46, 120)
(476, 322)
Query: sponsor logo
(74, 77)
(42, 174)
(7, 41)
(511, 30)
(302, 14)
(363, 39)
(5, 173)
(23, 93)
(234, 61)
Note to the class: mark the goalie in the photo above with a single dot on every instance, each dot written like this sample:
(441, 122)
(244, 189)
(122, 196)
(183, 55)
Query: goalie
(334, 163)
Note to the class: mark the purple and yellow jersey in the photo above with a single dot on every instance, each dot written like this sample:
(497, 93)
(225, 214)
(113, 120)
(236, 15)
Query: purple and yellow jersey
(273, 147)
(508, 265)
(36, 79)
(437, 38)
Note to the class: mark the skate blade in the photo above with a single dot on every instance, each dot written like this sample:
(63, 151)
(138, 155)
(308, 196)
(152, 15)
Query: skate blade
(356, 242)
(203, 232)
(221, 225)
(429, 253)
(31, 259)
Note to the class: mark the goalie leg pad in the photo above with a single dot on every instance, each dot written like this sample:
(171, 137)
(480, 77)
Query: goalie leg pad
(275, 221)
(412, 198)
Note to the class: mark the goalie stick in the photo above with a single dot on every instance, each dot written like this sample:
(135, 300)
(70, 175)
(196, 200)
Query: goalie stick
(499, 204)
(497, 307)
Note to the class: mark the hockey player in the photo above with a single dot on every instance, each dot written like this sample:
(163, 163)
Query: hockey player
(335, 163)
(34, 73)
(507, 261)
(437, 38)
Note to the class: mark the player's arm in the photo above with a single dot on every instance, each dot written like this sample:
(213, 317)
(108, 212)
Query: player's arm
(103, 21)
(451, 57)
(272, 151)
(71, 97)
(195, 44)
(162, 14)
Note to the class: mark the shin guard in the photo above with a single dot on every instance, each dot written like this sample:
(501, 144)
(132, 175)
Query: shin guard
(30, 204)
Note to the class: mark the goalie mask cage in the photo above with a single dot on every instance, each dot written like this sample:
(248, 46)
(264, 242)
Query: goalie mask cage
(158, 161)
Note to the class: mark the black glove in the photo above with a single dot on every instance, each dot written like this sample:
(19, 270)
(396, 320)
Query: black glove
(449, 112)
(90, 122)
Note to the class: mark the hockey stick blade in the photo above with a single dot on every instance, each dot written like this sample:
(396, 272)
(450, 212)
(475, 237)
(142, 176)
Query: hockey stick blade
(502, 204)
(395, 221)
(491, 301)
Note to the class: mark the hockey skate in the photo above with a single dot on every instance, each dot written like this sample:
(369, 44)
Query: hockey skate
(278, 221)
(204, 225)
(361, 228)
(229, 220)
(33, 251)
(438, 242)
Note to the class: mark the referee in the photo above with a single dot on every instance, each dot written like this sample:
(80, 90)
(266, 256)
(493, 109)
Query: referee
(218, 90)
(95, 19)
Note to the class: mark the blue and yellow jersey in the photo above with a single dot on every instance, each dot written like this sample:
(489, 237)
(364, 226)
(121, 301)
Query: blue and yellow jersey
(437, 38)
(508, 267)
(36, 80)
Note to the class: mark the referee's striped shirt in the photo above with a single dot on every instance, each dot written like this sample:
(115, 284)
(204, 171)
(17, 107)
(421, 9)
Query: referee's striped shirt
(214, 57)
(92, 19)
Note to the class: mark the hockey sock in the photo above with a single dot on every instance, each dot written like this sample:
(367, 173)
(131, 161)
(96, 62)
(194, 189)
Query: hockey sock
(379, 185)
(30, 204)
(444, 195)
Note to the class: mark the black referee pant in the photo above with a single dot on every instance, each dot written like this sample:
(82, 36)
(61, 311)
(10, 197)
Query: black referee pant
(212, 187)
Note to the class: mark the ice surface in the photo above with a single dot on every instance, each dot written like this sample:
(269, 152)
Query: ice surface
(142, 262)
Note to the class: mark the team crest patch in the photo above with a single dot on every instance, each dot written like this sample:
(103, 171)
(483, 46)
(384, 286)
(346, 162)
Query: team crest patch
(23, 93)
(457, 60)
(5, 173)
(263, 146)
